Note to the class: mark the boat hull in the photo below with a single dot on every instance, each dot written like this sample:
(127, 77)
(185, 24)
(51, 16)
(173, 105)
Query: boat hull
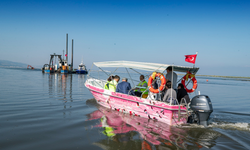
(81, 71)
(49, 71)
(140, 107)
(64, 71)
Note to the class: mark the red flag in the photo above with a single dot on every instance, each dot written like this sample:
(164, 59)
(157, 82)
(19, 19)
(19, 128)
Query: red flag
(190, 58)
(66, 55)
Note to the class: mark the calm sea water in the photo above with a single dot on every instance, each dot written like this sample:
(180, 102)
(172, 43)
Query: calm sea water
(56, 111)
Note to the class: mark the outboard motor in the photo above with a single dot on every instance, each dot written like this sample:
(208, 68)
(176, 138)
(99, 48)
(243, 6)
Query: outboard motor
(201, 106)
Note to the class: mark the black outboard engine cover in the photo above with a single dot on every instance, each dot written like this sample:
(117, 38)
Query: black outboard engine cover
(202, 107)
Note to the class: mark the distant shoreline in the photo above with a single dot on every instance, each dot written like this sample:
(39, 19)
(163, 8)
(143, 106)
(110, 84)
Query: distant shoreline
(216, 76)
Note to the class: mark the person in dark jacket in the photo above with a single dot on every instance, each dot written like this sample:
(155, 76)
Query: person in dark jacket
(182, 93)
(124, 87)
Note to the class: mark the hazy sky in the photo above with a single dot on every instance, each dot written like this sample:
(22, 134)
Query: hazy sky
(137, 30)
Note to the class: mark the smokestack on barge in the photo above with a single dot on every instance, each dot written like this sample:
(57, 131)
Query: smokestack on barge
(67, 47)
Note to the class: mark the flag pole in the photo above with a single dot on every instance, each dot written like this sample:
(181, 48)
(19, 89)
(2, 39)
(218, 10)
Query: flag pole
(196, 56)
(172, 84)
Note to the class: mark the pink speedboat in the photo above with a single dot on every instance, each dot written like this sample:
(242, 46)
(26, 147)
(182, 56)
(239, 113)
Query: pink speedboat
(172, 114)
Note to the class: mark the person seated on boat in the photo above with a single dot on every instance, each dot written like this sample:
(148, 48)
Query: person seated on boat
(106, 86)
(182, 93)
(141, 87)
(169, 77)
(113, 83)
(124, 87)
(170, 94)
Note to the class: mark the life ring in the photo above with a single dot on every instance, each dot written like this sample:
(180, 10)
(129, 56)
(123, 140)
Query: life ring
(151, 79)
(192, 77)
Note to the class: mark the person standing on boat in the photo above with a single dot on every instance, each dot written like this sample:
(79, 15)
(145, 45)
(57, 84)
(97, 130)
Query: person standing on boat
(171, 76)
(124, 87)
(113, 83)
(169, 94)
(143, 86)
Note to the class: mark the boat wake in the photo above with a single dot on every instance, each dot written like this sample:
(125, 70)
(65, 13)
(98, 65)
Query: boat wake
(231, 126)
(241, 126)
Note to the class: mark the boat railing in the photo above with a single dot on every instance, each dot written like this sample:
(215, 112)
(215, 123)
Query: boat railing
(183, 102)
(97, 82)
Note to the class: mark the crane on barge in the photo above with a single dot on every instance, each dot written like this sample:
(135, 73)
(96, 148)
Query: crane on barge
(30, 67)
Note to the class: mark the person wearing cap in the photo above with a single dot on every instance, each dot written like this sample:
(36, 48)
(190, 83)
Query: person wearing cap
(124, 87)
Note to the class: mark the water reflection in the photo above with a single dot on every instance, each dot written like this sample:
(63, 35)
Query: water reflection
(81, 81)
(61, 84)
(60, 88)
(124, 131)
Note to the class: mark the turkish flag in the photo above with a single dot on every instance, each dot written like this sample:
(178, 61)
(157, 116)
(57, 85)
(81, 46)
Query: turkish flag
(66, 55)
(190, 58)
